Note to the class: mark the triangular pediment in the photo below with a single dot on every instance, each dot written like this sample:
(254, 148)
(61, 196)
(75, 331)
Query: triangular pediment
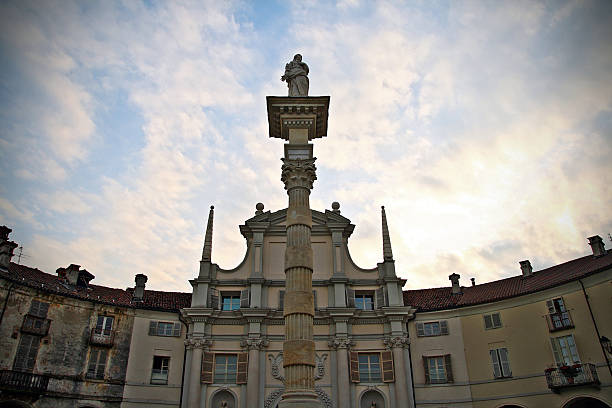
(271, 221)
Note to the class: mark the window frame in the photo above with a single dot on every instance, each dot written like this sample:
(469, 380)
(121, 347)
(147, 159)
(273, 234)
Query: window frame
(100, 354)
(558, 354)
(234, 297)
(442, 328)
(102, 329)
(361, 303)
(491, 316)
(372, 379)
(503, 367)
(162, 360)
(27, 353)
(227, 379)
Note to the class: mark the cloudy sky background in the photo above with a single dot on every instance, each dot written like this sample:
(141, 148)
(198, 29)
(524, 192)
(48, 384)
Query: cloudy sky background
(485, 128)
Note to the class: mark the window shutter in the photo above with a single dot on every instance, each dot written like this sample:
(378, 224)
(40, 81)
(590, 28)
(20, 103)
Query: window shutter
(488, 322)
(314, 298)
(496, 320)
(379, 298)
(443, 327)
(387, 366)
(350, 297)
(354, 366)
(101, 363)
(176, 332)
(207, 368)
(244, 299)
(426, 368)
(495, 361)
(281, 300)
(243, 368)
(448, 368)
(25, 359)
(556, 351)
(505, 364)
(91, 367)
(573, 349)
(213, 298)
(39, 309)
(561, 304)
(551, 306)
(420, 329)
(153, 328)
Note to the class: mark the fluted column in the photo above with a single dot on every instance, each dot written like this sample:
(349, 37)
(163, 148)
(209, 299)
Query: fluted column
(341, 345)
(397, 344)
(298, 347)
(254, 347)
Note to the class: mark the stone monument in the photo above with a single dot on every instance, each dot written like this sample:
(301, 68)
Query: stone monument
(298, 119)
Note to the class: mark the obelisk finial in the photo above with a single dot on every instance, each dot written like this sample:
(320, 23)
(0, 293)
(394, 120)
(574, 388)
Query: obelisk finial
(296, 75)
(387, 252)
(207, 251)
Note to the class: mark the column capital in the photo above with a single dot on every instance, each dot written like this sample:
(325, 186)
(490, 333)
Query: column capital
(254, 343)
(198, 343)
(341, 342)
(298, 173)
(392, 342)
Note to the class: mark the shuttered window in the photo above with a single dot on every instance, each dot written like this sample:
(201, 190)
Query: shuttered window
(369, 367)
(104, 325)
(244, 298)
(213, 298)
(565, 350)
(426, 329)
(438, 369)
(39, 309)
(379, 298)
(387, 366)
(373, 367)
(207, 367)
(230, 300)
(166, 329)
(26, 352)
(354, 366)
(350, 297)
(243, 368)
(492, 321)
(226, 368)
(364, 300)
(501, 365)
(97, 363)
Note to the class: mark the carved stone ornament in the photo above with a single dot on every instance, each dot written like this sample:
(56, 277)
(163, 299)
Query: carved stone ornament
(341, 343)
(276, 362)
(258, 343)
(195, 343)
(396, 341)
(298, 173)
(320, 366)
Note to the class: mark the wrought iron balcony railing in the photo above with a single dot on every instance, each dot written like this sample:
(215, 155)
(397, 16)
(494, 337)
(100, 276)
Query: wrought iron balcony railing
(570, 376)
(18, 381)
(35, 325)
(102, 337)
(559, 321)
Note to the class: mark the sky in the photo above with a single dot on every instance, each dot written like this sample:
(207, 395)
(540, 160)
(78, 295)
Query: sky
(484, 128)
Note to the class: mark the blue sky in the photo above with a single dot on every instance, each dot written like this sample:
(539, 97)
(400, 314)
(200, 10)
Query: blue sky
(484, 128)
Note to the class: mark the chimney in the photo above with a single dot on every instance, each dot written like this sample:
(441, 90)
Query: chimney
(597, 245)
(473, 281)
(6, 247)
(526, 268)
(454, 278)
(140, 280)
(74, 275)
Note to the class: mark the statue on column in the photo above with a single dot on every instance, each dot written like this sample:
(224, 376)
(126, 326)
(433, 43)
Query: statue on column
(296, 75)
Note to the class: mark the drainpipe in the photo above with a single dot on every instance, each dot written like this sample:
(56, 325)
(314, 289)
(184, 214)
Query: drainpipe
(184, 360)
(586, 297)
(8, 294)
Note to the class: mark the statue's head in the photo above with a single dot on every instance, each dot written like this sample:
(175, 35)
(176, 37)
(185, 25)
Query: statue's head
(297, 58)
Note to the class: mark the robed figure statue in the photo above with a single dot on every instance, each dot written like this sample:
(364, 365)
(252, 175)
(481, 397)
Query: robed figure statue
(296, 75)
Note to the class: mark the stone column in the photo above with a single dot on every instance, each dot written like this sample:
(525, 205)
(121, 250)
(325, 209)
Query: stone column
(396, 344)
(298, 176)
(196, 345)
(341, 345)
(254, 347)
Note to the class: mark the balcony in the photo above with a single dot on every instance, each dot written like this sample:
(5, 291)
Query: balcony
(17, 381)
(35, 325)
(104, 337)
(559, 321)
(571, 376)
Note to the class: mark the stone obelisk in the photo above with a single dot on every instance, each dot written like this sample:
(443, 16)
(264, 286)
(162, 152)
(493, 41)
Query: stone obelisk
(298, 119)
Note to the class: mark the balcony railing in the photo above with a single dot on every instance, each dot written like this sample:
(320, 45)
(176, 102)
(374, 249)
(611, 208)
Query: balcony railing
(35, 325)
(23, 382)
(559, 321)
(104, 337)
(570, 376)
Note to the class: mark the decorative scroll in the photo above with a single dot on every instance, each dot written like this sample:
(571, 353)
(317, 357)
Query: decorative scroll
(256, 343)
(276, 363)
(341, 343)
(396, 341)
(201, 342)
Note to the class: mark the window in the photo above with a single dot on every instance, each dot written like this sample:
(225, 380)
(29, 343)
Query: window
(564, 350)
(26, 352)
(439, 328)
(97, 363)
(159, 374)
(492, 321)
(438, 369)
(501, 365)
(230, 301)
(104, 325)
(168, 329)
(369, 367)
(225, 368)
(39, 309)
(558, 317)
(364, 300)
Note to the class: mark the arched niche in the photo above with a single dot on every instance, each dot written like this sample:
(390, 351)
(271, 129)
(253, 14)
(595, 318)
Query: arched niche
(585, 402)
(372, 399)
(223, 399)
(14, 404)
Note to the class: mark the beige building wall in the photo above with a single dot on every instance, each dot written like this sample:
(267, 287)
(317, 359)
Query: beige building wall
(139, 391)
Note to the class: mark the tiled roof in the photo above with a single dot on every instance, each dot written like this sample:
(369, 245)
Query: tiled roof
(157, 300)
(443, 298)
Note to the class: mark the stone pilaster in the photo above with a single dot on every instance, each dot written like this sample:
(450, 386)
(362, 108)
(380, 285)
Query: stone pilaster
(397, 344)
(196, 345)
(298, 176)
(254, 346)
(342, 345)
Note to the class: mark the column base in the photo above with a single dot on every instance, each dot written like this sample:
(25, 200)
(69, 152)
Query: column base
(300, 400)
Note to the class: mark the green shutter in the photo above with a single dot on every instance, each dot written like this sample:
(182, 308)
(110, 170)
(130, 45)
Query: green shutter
(420, 329)
(448, 368)
(505, 364)
(153, 328)
(443, 327)
(496, 366)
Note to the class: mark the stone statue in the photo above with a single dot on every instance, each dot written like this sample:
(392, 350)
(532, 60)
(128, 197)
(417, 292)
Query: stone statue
(296, 75)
